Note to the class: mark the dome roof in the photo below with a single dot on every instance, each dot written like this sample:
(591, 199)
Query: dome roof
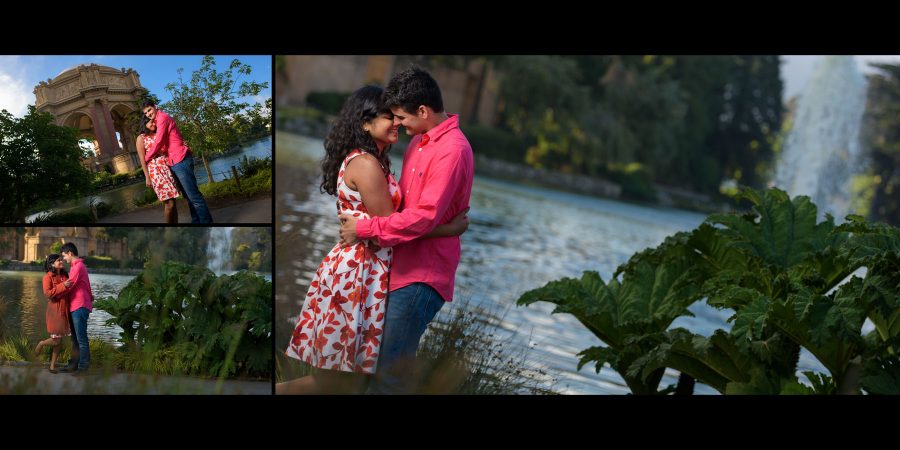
(75, 68)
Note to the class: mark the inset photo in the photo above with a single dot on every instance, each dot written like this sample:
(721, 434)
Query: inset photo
(136, 139)
(136, 310)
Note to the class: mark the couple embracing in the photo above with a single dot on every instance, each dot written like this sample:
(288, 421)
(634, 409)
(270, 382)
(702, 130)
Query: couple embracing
(375, 293)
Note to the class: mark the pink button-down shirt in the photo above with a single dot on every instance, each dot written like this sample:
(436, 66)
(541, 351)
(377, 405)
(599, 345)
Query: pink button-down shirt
(80, 289)
(436, 183)
(167, 141)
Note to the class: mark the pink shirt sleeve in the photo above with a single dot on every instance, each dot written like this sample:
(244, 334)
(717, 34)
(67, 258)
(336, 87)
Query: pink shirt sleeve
(163, 125)
(415, 221)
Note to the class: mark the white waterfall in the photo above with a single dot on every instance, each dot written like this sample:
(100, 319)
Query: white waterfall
(822, 151)
(218, 249)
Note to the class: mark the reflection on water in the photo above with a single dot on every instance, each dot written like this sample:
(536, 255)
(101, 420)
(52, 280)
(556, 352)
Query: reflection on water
(519, 238)
(24, 305)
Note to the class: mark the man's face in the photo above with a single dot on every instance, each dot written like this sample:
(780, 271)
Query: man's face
(150, 112)
(411, 121)
(68, 257)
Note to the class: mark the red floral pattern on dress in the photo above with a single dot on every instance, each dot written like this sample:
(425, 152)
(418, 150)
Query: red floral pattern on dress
(342, 320)
(161, 177)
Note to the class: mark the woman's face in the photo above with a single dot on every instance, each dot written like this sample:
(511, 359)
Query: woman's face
(151, 125)
(58, 264)
(383, 130)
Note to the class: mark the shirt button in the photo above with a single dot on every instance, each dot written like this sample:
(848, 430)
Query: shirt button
(420, 149)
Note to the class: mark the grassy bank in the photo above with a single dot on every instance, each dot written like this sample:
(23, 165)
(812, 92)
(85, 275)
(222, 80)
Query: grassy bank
(461, 353)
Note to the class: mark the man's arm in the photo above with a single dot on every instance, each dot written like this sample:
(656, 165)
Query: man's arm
(163, 125)
(444, 179)
(77, 274)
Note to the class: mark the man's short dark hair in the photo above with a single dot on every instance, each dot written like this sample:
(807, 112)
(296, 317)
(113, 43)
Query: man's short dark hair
(69, 247)
(411, 88)
(149, 102)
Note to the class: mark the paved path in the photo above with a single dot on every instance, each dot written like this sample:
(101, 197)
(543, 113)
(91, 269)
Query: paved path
(31, 379)
(257, 210)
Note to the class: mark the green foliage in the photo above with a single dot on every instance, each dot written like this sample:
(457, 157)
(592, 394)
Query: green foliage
(251, 166)
(587, 114)
(636, 181)
(258, 183)
(251, 248)
(101, 179)
(39, 161)
(628, 316)
(217, 326)
(496, 143)
(205, 107)
(146, 197)
(780, 272)
(15, 349)
(102, 261)
(328, 102)
(882, 137)
(157, 244)
(119, 178)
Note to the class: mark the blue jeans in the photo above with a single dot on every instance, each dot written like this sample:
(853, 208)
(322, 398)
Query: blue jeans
(186, 182)
(409, 311)
(79, 322)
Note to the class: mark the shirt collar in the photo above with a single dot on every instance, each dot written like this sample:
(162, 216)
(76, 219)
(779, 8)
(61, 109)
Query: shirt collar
(438, 131)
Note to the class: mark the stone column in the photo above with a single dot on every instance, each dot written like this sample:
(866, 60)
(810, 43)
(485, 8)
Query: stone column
(101, 132)
(111, 126)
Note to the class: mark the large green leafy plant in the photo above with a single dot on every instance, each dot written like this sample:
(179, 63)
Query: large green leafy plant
(219, 326)
(780, 272)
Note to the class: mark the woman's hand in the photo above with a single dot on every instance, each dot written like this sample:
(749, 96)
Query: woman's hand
(455, 227)
(147, 182)
(67, 283)
(459, 223)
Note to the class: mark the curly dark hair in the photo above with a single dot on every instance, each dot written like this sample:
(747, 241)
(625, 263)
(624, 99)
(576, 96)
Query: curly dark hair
(48, 263)
(411, 88)
(142, 128)
(347, 134)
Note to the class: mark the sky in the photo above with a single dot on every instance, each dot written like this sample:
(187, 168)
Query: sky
(20, 74)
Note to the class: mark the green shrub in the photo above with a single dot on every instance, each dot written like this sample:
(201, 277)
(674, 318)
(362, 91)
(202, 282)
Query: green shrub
(217, 326)
(251, 166)
(496, 143)
(328, 102)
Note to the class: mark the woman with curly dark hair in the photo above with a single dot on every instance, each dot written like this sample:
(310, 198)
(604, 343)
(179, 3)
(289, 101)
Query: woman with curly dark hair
(339, 328)
(157, 174)
(56, 288)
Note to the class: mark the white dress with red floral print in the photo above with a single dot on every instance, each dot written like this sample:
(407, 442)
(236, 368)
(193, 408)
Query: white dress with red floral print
(161, 177)
(342, 319)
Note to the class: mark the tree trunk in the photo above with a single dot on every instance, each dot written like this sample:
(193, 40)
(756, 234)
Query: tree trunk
(481, 80)
(206, 166)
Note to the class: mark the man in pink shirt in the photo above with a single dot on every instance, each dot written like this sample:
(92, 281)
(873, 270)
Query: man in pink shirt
(168, 141)
(436, 183)
(81, 303)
